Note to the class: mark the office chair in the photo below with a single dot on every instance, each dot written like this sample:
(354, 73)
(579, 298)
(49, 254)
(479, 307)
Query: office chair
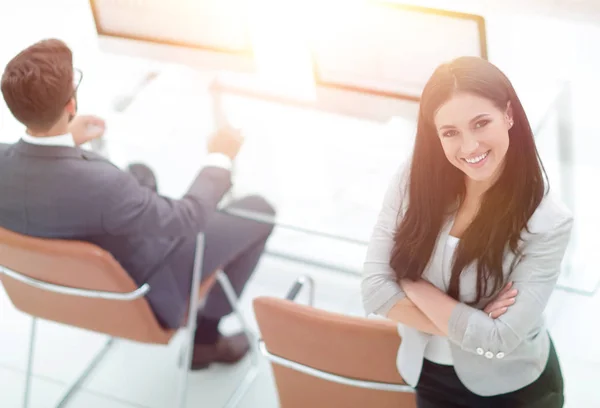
(81, 285)
(323, 359)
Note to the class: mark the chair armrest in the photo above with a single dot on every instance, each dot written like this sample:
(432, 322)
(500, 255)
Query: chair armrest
(297, 287)
(339, 379)
(66, 290)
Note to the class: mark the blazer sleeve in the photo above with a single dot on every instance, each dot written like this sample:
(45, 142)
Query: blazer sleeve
(131, 209)
(535, 277)
(380, 288)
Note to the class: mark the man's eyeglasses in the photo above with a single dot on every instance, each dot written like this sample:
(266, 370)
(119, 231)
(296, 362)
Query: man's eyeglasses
(77, 78)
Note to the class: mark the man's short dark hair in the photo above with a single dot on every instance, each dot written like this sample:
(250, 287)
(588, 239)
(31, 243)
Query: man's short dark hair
(38, 83)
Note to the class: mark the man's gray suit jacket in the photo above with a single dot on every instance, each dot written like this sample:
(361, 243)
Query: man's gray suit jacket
(70, 193)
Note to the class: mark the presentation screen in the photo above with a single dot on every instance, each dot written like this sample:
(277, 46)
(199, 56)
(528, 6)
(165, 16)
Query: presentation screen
(211, 25)
(391, 49)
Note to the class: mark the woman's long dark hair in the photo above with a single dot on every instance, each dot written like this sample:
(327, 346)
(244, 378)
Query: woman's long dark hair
(436, 187)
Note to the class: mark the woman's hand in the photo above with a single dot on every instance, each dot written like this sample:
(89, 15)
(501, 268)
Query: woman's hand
(503, 300)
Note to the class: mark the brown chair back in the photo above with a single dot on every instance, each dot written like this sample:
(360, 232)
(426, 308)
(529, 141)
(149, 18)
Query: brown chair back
(79, 265)
(351, 347)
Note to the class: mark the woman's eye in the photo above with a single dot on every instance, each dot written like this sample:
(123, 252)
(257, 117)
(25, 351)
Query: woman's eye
(481, 123)
(450, 133)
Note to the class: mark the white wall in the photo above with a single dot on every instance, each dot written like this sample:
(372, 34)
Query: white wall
(526, 47)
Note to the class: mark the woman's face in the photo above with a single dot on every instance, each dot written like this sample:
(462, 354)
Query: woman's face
(474, 135)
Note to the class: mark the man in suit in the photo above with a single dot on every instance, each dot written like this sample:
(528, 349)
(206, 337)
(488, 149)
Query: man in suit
(49, 187)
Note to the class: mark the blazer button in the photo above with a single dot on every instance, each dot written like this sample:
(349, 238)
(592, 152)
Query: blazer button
(479, 351)
(500, 355)
(489, 354)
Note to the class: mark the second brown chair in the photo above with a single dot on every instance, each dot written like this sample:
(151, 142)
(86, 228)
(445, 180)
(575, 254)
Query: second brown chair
(329, 360)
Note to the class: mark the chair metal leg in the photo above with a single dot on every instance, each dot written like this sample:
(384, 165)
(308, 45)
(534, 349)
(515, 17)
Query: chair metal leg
(75, 384)
(242, 388)
(68, 393)
(233, 301)
(186, 358)
(187, 351)
(188, 346)
(253, 371)
(30, 357)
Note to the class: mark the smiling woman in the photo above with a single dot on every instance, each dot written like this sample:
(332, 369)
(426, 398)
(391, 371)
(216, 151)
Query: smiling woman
(470, 216)
(475, 151)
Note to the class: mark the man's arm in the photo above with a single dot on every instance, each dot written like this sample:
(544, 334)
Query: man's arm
(130, 208)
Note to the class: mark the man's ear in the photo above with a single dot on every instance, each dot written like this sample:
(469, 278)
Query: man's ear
(71, 108)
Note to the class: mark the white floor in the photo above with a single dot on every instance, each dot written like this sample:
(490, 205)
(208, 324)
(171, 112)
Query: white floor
(134, 375)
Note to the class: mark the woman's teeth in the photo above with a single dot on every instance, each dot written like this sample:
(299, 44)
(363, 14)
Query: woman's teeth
(475, 160)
